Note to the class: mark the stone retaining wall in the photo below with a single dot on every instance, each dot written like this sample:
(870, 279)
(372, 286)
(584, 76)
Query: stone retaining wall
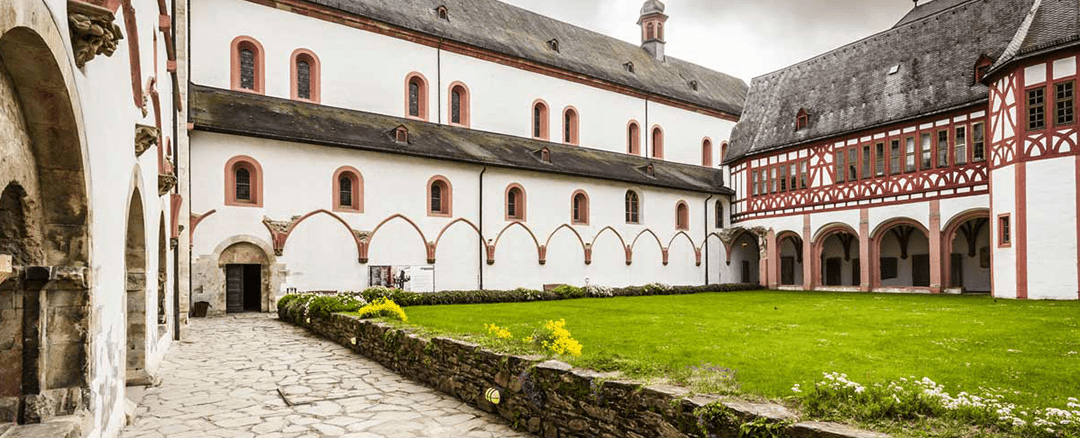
(552, 400)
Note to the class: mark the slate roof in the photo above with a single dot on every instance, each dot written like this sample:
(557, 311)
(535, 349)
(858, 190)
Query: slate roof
(1050, 24)
(509, 30)
(247, 114)
(850, 89)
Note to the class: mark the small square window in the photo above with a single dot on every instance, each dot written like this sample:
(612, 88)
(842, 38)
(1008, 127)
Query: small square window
(1004, 231)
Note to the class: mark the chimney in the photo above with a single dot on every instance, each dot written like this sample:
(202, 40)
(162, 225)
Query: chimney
(652, 28)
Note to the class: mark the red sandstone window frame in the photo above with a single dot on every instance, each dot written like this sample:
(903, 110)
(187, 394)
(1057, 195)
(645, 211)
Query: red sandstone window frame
(706, 152)
(632, 207)
(579, 214)
(446, 197)
(422, 96)
(539, 129)
(259, 81)
(520, 204)
(571, 125)
(633, 137)
(656, 134)
(1044, 87)
(314, 79)
(723, 151)
(256, 178)
(682, 216)
(465, 106)
(1072, 100)
(1004, 230)
(357, 190)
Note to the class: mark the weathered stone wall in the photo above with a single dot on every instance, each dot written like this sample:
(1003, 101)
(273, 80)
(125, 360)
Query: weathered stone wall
(550, 398)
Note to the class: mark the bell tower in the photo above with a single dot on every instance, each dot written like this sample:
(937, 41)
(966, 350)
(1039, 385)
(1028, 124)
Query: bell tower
(652, 23)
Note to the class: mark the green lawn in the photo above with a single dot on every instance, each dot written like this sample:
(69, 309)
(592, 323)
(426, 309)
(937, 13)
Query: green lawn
(776, 339)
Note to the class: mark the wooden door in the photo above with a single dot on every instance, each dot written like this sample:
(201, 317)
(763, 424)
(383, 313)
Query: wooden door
(234, 288)
(856, 272)
(746, 271)
(920, 270)
(787, 270)
(833, 272)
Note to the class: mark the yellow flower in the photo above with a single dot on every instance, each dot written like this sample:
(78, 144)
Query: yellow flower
(498, 332)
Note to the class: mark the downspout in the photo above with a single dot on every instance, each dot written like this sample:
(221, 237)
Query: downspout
(648, 130)
(438, 79)
(707, 238)
(483, 243)
(187, 59)
(176, 161)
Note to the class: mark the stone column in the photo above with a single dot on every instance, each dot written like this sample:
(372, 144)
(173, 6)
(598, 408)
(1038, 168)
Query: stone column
(808, 254)
(936, 266)
(772, 260)
(864, 251)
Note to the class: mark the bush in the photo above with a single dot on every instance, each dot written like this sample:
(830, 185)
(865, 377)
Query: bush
(567, 292)
(322, 306)
(384, 308)
(521, 295)
(555, 338)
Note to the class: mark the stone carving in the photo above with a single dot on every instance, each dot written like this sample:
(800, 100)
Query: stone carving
(362, 236)
(93, 31)
(145, 138)
(279, 231)
(165, 183)
(5, 267)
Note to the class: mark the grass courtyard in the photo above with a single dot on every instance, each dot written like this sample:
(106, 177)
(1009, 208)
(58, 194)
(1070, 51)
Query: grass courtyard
(774, 340)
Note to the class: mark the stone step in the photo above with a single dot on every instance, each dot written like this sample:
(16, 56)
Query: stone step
(68, 426)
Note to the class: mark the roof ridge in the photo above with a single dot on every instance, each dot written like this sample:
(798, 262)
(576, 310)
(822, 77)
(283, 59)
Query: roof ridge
(895, 27)
(1018, 38)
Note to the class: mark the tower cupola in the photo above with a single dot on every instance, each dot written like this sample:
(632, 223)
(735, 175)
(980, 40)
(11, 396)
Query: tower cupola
(652, 23)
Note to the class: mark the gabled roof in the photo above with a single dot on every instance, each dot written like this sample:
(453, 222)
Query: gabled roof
(509, 30)
(1048, 25)
(934, 51)
(253, 115)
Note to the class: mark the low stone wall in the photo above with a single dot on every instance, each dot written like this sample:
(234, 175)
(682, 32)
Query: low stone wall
(552, 400)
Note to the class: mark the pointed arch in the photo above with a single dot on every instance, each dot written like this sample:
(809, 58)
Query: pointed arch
(649, 232)
(493, 247)
(371, 237)
(902, 220)
(296, 223)
(584, 247)
(447, 227)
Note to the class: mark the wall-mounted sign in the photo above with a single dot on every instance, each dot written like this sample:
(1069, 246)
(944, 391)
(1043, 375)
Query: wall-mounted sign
(407, 278)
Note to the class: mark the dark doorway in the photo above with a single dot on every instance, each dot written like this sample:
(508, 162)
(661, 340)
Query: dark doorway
(833, 272)
(243, 288)
(787, 270)
(920, 270)
(746, 271)
(856, 272)
(956, 265)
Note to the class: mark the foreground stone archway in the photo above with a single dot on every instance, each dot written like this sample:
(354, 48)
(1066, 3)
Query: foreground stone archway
(135, 281)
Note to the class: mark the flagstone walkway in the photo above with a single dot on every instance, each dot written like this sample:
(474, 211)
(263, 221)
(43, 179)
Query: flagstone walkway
(252, 375)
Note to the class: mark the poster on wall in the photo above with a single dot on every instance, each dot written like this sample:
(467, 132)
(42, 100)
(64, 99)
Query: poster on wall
(407, 278)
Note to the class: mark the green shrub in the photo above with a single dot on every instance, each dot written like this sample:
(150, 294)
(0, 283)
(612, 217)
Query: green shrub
(567, 292)
(323, 306)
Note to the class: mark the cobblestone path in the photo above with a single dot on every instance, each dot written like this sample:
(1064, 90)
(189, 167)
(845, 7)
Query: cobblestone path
(232, 379)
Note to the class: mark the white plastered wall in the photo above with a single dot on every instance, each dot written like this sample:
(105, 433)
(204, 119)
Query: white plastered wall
(1051, 229)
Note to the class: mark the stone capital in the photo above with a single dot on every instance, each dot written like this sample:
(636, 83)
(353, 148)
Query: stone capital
(93, 31)
(145, 138)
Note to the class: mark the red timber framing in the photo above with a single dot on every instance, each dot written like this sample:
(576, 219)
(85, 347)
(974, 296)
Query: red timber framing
(332, 15)
(870, 168)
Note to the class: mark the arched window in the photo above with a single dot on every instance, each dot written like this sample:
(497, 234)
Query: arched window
(719, 214)
(243, 182)
(579, 204)
(440, 197)
(650, 32)
(657, 143)
(570, 125)
(515, 203)
(305, 75)
(633, 138)
(459, 104)
(723, 151)
(416, 96)
(682, 216)
(633, 207)
(247, 65)
(348, 190)
(660, 31)
(540, 120)
(706, 153)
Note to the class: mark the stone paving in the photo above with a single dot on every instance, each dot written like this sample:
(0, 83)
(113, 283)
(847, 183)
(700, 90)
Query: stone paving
(233, 377)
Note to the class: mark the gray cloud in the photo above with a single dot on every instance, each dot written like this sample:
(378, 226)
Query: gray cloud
(744, 38)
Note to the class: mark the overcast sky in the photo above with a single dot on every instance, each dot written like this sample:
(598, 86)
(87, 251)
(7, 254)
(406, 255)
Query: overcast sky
(743, 38)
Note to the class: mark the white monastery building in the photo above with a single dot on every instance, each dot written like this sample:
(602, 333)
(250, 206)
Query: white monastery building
(159, 156)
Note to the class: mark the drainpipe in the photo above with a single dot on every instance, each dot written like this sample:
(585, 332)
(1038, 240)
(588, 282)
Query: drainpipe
(176, 163)
(438, 80)
(648, 130)
(707, 238)
(483, 243)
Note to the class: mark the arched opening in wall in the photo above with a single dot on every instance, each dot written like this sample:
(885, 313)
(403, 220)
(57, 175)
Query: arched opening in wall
(416, 96)
(790, 252)
(633, 207)
(579, 208)
(515, 203)
(903, 255)
(633, 138)
(306, 74)
(243, 182)
(247, 275)
(657, 143)
(837, 258)
(745, 258)
(135, 280)
(682, 216)
(539, 120)
(42, 224)
(440, 197)
(348, 190)
(570, 126)
(967, 251)
(162, 276)
(459, 104)
(706, 153)
(247, 65)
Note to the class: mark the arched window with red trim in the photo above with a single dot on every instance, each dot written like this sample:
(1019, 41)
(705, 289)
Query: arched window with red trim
(570, 126)
(706, 153)
(633, 138)
(416, 96)
(579, 204)
(459, 104)
(633, 207)
(243, 182)
(723, 151)
(440, 197)
(247, 65)
(682, 216)
(305, 76)
(657, 143)
(348, 190)
(539, 120)
(515, 203)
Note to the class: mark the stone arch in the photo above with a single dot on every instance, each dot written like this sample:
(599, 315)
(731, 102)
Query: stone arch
(492, 248)
(789, 262)
(625, 248)
(434, 246)
(162, 275)
(656, 238)
(745, 248)
(841, 241)
(39, 106)
(360, 250)
(584, 247)
(240, 250)
(908, 242)
(135, 284)
(428, 248)
(968, 269)
(697, 249)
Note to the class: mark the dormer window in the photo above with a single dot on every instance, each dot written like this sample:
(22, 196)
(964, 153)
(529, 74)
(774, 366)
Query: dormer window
(629, 66)
(694, 85)
(802, 120)
(982, 65)
(444, 14)
(543, 154)
(648, 170)
(553, 44)
(401, 134)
